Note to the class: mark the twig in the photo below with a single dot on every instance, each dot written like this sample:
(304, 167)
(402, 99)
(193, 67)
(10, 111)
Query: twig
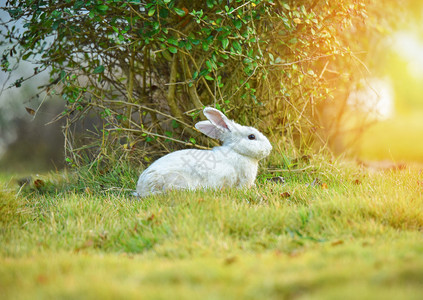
(160, 136)
(289, 170)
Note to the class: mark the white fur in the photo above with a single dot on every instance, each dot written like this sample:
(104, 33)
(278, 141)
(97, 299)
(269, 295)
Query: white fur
(234, 164)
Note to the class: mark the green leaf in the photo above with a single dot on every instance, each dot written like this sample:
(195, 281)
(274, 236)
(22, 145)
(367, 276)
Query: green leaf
(210, 3)
(188, 46)
(195, 75)
(172, 49)
(293, 41)
(62, 75)
(179, 11)
(172, 41)
(237, 46)
(175, 124)
(192, 140)
(194, 41)
(238, 24)
(204, 72)
(98, 70)
(102, 8)
(208, 64)
(225, 43)
(205, 46)
(27, 55)
(151, 11)
(208, 77)
(163, 13)
(78, 4)
(56, 24)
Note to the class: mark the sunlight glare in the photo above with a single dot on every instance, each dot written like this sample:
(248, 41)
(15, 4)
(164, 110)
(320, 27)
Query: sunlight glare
(410, 47)
(375, 97)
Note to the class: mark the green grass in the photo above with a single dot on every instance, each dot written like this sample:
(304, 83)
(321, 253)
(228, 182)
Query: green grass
(354, 235)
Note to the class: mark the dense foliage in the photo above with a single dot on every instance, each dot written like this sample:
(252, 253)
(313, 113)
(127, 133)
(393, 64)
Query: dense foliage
(138, 73)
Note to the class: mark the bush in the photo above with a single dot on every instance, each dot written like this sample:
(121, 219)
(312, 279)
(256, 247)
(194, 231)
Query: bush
(138, 73)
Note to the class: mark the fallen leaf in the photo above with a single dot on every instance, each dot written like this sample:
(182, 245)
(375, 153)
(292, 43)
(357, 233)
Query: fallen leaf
(285, 195)
(129, 145)
(183, 14)
(103, 235)
(38, 183)
(230, 260)
(337, 243)
(324, 186)
(30, 111)
(42, 279)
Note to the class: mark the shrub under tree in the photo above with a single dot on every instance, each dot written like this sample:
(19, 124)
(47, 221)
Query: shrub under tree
(140, 72)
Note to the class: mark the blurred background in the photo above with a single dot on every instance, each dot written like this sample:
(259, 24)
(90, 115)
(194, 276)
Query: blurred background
(28, 143)
(398, 133)
(389, 95)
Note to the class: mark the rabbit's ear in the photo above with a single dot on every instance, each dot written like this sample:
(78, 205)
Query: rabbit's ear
(217, 118)
(209, 129)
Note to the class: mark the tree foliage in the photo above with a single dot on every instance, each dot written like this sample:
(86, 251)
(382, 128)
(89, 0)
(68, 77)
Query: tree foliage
(141, 71)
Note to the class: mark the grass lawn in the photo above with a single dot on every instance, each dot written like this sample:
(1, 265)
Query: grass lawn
(348, 234)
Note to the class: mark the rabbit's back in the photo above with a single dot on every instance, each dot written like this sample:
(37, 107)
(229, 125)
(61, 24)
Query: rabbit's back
(192, 168)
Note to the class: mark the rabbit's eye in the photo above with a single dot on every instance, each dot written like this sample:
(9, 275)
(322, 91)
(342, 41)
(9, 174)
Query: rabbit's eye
(251, 137)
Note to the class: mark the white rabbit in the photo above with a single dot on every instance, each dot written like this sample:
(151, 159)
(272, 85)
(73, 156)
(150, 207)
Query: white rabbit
(234, 164)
